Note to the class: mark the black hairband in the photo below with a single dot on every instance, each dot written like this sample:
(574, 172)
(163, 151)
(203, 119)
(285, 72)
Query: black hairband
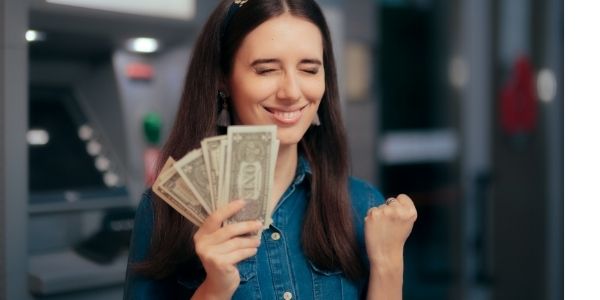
(233, 8)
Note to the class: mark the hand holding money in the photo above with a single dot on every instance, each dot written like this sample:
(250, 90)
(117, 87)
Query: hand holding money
(239, 165)
(221, 248)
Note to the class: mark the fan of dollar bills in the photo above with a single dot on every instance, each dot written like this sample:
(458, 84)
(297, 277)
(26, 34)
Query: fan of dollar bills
(239, 165)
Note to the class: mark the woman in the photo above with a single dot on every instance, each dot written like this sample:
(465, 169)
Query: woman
(332, 237)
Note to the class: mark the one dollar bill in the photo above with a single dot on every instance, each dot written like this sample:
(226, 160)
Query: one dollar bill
(249, 170)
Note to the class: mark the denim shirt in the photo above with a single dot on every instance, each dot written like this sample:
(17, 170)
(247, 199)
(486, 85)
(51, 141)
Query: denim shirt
(279, 270)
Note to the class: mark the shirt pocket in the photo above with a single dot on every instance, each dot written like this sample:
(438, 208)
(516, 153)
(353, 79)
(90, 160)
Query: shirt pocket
(248, 288)
(330, 285)
(247, 269)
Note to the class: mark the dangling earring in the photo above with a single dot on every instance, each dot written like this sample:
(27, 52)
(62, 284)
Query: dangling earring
(223, 120)
(316, 121)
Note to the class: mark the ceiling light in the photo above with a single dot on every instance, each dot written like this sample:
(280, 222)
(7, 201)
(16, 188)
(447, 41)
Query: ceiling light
(37, 137)
(35, 36)
(142, 45)
(546, 85)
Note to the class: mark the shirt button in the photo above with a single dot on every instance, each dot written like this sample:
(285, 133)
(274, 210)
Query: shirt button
(287, 296)
(276, 236)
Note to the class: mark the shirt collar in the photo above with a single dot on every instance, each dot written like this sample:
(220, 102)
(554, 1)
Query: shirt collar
(302, 170)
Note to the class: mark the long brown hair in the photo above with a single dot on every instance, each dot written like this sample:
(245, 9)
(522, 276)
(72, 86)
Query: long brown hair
(328, 237)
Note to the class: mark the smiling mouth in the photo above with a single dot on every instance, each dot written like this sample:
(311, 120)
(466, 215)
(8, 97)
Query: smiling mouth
(286, 116)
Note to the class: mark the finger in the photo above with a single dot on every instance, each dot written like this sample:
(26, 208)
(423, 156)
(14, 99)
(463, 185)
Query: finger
(389, 200)
(236, 229)
(237, 244)
(241, 254)
(407, 203)
(375, 212)
(392, 202)
(403, 199)
(214, 220)
(371, 210)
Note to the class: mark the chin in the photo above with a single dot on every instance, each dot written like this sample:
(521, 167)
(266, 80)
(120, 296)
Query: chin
(289, 136)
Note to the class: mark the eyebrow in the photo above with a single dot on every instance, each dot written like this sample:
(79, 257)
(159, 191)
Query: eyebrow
(274, 60)
(311, 61)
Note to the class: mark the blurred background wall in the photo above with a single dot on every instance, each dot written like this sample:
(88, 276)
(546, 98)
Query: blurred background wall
(458, 103)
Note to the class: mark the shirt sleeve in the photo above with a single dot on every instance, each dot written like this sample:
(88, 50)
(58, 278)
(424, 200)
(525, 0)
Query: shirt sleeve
(363, 196)
(136, 285)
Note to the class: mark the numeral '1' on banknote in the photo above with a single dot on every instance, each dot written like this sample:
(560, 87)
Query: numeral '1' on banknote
(248, 173)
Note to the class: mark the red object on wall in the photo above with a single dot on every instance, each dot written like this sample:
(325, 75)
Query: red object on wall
(518, 104)
(139, 71)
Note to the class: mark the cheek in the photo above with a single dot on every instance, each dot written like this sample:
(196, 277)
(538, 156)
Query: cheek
(249, 93)
(314, 91)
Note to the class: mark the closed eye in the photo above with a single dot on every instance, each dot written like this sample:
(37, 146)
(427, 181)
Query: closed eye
(265, 66)
(311, 66)
(264, 71)
(313, 71)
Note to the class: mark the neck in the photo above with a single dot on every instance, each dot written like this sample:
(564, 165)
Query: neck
(285, 169)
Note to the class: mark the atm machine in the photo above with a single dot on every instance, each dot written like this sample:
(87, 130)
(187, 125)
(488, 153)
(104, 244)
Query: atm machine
(89, 92)
(91, 85)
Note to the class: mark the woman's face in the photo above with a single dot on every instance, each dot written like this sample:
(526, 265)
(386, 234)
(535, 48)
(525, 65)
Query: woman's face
(278, 77)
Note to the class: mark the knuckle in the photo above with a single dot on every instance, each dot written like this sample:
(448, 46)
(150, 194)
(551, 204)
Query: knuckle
(411, 211)
(375, 213)
(414, 215)
(202, 254)
(397, 208)
(388, 211)
(247, 225)
(397, 217)
(212, 218)
(239, 227)
(199, 235)
(370, 210)
(403, 197)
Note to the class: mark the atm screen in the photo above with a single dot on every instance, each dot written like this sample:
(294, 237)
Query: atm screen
(65, 155)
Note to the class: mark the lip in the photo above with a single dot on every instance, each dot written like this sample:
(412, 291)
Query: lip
(286, 115)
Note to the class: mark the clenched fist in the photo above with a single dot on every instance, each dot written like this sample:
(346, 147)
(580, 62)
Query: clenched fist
(386, 229)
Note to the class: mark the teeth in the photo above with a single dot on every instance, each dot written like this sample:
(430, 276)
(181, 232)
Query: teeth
(288, 115)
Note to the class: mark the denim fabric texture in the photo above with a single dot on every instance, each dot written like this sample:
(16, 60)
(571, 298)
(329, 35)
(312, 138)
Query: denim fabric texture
(279, 270)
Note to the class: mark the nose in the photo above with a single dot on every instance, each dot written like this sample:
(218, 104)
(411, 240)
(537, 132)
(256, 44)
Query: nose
(289, 88)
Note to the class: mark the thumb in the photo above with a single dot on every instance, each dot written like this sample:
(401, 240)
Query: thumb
(214, 221)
